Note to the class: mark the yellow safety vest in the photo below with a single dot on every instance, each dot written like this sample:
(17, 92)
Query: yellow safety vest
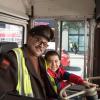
(52, 81)
(24, 84)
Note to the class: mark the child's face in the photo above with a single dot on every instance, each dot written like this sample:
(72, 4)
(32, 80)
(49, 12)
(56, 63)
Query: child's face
(53, 62)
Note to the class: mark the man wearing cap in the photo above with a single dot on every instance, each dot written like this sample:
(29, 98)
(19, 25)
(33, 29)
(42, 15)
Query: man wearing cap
(27, 74)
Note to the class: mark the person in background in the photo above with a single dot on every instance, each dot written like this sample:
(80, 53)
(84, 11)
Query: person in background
(75, 48)
(26, 74)
(71, 46)
(58, 75)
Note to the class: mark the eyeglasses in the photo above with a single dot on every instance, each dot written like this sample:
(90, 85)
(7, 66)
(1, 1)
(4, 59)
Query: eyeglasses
(39, 41)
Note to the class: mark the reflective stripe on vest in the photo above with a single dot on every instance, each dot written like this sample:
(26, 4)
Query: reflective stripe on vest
(24, 84)
(51, 78)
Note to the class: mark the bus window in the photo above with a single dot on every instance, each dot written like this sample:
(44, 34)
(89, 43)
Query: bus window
(11, 33)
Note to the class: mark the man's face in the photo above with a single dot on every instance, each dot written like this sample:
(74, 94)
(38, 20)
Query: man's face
(53, 62)
(37, 45)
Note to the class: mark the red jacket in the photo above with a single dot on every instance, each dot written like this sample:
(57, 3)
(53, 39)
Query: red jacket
(61, 75)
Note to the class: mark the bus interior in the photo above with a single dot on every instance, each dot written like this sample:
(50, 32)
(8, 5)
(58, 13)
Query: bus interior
(76, 25)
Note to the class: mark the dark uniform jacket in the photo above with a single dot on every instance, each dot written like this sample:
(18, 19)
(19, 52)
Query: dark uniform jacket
(41, 86)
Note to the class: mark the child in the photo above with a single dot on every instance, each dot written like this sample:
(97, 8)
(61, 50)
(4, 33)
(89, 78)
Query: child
(58, 75)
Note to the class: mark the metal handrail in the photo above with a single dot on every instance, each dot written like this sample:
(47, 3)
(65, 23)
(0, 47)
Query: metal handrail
(79, 93)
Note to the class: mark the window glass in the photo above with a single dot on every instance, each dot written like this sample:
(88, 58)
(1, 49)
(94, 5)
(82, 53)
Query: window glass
(73, 31)
(73, 46)
(11, 33)
(81, 41)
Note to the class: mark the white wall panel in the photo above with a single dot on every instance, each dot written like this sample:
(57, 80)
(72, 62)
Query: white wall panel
(65, 8)
(13, 7)
(50, 8)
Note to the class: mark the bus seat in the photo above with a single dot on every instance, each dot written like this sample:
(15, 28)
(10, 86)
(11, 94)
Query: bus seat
(6, 46)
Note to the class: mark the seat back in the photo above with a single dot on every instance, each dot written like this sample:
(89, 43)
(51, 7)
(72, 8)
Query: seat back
(6, 46)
